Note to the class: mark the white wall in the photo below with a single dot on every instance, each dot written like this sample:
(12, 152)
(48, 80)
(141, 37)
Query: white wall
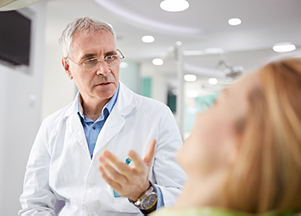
(3, 94)
(58, 89)
(20, 109)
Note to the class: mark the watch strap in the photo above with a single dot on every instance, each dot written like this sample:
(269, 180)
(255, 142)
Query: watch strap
(138, 202)
(148, 211)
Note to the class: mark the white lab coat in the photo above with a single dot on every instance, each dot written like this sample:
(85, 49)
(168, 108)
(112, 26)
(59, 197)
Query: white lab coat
(60, 166)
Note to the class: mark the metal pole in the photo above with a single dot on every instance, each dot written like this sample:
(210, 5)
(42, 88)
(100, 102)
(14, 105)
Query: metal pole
(180, 92)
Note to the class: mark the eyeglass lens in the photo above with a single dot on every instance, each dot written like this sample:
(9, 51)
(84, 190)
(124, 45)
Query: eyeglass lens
(110, 60)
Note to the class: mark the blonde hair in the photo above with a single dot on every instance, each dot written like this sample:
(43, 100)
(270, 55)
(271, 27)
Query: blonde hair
(267, 173)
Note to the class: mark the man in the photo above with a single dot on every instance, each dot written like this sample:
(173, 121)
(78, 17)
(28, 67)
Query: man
(89, 154)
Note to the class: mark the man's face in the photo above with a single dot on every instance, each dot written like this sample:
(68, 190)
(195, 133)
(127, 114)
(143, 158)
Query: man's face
(100, 83)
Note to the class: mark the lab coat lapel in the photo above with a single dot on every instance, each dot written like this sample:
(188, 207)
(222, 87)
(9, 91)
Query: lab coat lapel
(76, 129)
(111, 128)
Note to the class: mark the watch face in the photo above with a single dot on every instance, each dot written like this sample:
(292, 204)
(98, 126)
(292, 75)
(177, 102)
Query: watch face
(149, 201)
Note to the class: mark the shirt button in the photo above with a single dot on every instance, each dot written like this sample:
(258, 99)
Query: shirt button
(89, 214)
(91, 184)
(94, 127)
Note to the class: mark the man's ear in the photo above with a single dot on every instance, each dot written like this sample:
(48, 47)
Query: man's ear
(66, 66)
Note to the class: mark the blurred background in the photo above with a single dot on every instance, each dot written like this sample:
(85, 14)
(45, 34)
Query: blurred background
(182, 57)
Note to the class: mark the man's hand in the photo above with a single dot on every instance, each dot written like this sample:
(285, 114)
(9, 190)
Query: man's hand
(128, 181)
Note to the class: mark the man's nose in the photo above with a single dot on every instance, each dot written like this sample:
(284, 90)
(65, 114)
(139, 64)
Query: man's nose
(102, 68)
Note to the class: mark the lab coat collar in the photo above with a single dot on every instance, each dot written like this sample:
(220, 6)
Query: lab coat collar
(109, 106)
(126, 102)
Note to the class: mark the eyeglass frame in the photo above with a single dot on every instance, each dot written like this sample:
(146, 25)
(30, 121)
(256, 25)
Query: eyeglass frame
(121, 56)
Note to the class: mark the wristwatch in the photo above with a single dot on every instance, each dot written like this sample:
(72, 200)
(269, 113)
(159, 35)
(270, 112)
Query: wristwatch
(147, 202)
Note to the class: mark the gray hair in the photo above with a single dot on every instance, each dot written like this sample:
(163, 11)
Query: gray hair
(81, 24)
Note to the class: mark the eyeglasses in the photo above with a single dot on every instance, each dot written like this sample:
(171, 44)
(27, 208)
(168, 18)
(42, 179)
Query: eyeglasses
(92, 63)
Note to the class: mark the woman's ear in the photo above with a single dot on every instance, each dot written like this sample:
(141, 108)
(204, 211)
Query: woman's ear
(66, 66)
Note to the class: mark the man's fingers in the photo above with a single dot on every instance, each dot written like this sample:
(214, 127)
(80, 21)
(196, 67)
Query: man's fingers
(127, 181)
(119, 164)
(149, 155)
(141, 164)
(116, 186)
(109, 171)
(125, 172)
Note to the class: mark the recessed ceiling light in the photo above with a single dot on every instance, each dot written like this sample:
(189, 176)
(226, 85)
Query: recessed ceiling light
(148, 39)
(190, 77)
(234, 21)
(158, 61)
(203, 52)
(212, 81)
(284, 47)
(174, 5)
(214, 51)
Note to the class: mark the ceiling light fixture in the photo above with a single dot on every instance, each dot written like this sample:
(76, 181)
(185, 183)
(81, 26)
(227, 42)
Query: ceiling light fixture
(174, 5)
(214, 51)
(284, 47)
(158, 61)
(148, 39)
(234, 21)
(9, 5)
(203, 52)
(212, 81)
(190, 77)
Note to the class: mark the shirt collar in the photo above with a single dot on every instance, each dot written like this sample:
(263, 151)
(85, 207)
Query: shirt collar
(109, 106)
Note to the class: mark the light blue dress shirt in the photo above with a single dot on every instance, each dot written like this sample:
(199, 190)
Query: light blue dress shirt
(92, 130)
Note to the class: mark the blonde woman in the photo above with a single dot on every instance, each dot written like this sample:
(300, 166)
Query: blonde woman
(244, 154)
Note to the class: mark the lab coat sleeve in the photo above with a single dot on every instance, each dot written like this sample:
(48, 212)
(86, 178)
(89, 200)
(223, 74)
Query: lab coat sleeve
(168, 175)
(37, 197)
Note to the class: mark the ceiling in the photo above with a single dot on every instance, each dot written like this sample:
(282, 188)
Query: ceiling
(202, 26)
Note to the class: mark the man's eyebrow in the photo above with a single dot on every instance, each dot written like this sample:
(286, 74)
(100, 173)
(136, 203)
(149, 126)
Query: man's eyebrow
(89, 55)
(110, 53)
